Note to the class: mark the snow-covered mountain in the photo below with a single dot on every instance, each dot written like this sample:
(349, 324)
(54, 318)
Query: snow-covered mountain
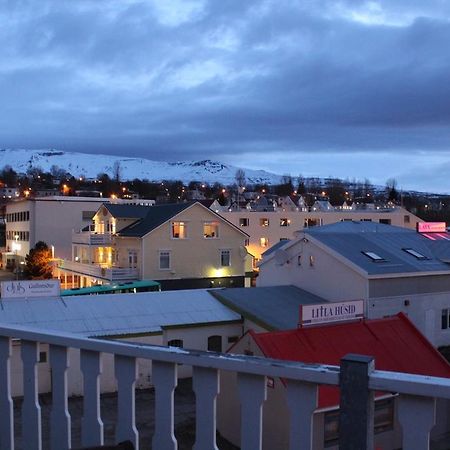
(89, 166)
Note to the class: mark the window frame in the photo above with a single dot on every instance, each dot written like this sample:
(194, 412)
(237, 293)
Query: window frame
(169, 254)
(210, 223)
(222, 252)
(180, 236)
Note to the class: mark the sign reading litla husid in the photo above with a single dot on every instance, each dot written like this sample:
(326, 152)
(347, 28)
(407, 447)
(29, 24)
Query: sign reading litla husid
(331, 312)
(30, 288)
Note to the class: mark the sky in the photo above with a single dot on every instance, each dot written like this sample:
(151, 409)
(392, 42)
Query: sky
(349, 88)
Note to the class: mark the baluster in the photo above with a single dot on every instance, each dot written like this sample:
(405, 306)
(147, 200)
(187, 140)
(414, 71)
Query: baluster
(91, 425)
(416, 416)
(252, 393)
(302, 401)
(31, 411)
(165, 381)
(206, 388)
(126, 373)
(6, 404)
(60, 438)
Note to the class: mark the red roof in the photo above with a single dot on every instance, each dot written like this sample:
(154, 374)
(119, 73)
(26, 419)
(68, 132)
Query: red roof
(395, 343)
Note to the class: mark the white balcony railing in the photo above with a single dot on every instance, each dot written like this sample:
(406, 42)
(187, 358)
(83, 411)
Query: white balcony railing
(356, 378)
(91, 238)
(97, 271)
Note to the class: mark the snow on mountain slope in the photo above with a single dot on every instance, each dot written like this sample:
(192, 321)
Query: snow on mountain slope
(88, 165)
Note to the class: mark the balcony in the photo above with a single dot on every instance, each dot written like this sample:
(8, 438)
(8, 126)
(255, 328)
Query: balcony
(356, 377)
(97, 271)
(91, 238)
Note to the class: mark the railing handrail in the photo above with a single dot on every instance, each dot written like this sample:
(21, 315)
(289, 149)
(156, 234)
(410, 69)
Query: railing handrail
(379, 380)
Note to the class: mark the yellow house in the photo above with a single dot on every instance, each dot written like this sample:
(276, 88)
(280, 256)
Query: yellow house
(182, 245)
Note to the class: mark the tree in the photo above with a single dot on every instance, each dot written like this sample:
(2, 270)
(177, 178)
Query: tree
(391, 189)
(117, 171)
(240, 178)
(37, 262)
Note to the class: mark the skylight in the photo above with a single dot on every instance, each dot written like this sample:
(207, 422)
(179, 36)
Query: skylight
(414, 253)
(373, 256)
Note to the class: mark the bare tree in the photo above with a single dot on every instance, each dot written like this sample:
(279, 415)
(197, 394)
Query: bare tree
(117, 171)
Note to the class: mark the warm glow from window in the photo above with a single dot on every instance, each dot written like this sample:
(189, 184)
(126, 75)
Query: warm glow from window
(211, 230)
(264, 242)
(179, 230)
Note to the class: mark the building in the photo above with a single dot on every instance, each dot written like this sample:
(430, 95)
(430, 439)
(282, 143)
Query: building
(182, 245)
(190, 319)
(392, 269)
(267, 308)
(394, 342)
(277, 223)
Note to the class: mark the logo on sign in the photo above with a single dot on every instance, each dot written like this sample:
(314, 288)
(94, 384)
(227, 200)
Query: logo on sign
(431, 227)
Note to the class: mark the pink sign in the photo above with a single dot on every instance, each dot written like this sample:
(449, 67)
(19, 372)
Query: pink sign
(431, 227)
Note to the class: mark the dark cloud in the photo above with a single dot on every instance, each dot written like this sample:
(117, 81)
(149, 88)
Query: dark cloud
(176, 81)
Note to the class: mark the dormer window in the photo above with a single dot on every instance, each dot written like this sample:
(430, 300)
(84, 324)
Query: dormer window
(414, 253)
(374, 257)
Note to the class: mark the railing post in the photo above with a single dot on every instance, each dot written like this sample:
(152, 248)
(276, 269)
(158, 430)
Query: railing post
(6, 404)
(252, 393)
(31, 410)
(60, 431)
(356, 416)
(416, 416)
(302, 401)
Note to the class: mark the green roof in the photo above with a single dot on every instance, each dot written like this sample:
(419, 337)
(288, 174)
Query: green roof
(109, 288)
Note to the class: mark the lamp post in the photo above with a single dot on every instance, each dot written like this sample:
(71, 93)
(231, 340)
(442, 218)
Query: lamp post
(16, 248)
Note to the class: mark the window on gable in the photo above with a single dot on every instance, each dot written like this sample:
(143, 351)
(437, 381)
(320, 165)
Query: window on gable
(373, 256)
(211, 230)
(414, 253)
(264, 222)
(179, 230)
(264, 242)
(284, 222)
(244, 222)
(225, 258)
(164, 260)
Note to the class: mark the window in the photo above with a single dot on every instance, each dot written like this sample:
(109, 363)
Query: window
(414, 253)
(445, 324)
(176, 343)
(264, 222)
(225, 258)
(299, 260)
(247, 242)
(244, 221)
(312, 223)
(179, 230)
(215, 343)
(211, 230)
(132, 259)
(164, 260)
(373, 256)
(406, 218)
(365, 220)
(311, 260)
(264, 242)
(385, 221)
(285, 222)
(42, 357)
(232, 339)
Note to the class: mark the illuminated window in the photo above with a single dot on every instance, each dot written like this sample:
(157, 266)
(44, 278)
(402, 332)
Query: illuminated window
(311, 260)
(225, 258)
(264, 222)
(244, 222)
(211, 230)
(179, 230)
(164, 259)
(264, 242)
(284, 222)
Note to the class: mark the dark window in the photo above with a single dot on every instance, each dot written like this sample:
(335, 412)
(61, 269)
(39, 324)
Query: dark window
(215, 343)
(176, 343)
(42, 357)
(385, 221)
(232, 339)
(445, 321)
(243, 222)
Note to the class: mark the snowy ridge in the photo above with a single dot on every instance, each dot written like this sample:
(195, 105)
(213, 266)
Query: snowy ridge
(89, 166)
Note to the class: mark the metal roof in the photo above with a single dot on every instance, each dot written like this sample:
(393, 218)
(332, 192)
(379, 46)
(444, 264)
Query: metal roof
(274, 308)
(394, 342)
(117, 314)
(352, 239)
(127, 211)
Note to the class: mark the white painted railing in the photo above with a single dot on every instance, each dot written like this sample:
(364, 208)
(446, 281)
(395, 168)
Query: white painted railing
(356, 378)
(97, 271)
(91, 238)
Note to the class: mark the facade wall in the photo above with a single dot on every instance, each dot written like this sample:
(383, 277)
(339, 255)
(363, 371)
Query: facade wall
(194, 256)
(52, 221)
(319, 273)
(274, 232)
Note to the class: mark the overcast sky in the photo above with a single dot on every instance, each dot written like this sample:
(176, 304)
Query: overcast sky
(311, 87)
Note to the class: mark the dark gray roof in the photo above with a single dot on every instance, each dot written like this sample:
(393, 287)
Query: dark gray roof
(351, 239)
(127, 211)
(154, 217)
(273, 308)
(275, 247)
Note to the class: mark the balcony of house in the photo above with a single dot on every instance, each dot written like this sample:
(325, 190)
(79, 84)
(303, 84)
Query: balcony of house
(357, 378)
(100, 271)
(90, 237)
